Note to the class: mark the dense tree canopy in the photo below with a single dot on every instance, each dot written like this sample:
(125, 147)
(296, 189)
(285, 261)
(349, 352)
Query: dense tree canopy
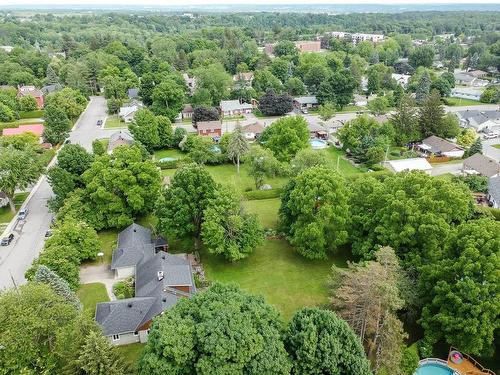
(286, 136)
(220, 330)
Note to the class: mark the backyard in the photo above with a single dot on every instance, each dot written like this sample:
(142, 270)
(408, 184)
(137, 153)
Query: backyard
(90, 295)
(459, 101)
(266, 210)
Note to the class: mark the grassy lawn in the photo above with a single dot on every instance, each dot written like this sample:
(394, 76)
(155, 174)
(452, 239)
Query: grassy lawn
(5, 214)
(345, 168)
(496, 146)
(32, 114)
(172, 153)
(114, 122)
(15, 124)
(131, 353)
(286, 279)
(232, 118)
(90, 295)
(108, 240)
(458, 102)
(266, 210)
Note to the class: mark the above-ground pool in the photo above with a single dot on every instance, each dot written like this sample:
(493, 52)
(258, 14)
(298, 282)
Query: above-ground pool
(433, 369)
(168, 158)
(216, 149)
(318, 144)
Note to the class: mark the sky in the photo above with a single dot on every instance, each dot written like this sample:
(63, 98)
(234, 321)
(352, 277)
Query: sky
(228, 2)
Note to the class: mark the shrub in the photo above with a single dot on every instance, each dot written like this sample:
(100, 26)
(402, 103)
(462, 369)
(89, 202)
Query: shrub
(409, 361)
(262, 194)
(124, 289)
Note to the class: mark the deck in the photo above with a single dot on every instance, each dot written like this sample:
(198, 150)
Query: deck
(469, 366)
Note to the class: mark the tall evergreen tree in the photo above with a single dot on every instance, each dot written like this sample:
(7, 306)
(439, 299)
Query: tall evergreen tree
(59, 285)
(431, 115)
(99, 357)
(51, 77)
(423, 88)
(477, 147)
(405, 121)
(238, 146)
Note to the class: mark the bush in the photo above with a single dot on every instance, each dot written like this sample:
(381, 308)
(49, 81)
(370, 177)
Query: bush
(409, 360)
(170, 164)
(262, 194)
(124, 289)
(495, 212)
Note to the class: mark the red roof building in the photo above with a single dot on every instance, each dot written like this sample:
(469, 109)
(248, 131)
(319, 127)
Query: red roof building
(34, 92)
(209, 128)
(36, 129)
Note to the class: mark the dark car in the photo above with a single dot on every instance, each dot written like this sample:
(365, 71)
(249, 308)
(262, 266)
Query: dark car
(99, 122)
(48, 233)
(67, 141)
(7, 240)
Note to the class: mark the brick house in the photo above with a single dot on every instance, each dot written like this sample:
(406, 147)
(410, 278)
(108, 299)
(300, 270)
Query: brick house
(209, 128)
(32, 91)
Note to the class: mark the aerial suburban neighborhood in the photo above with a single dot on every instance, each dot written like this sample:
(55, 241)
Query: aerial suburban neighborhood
(250, 189)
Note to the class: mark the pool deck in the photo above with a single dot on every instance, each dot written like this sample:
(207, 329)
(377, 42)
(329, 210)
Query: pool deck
(469, 366)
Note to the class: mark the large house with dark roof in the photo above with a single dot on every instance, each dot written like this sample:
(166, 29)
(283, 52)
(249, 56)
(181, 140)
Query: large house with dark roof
(161, 279)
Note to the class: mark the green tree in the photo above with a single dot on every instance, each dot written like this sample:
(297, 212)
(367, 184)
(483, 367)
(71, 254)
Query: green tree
(51, 77)
(467, 137)
(405, 122)
(308, 158)
(118, 187)
(29, 336)
(200, 149)
(475, 148)
(144, 128)
(221, 330)
(22, 142)
(56, 124)
(295, 87)
(264, 81)
(490, 95)
(319, 342)
(423, 88)
(6, 113)
(409, 362)
(411, 212)
(238, 146)
(459, 288)
(286, 136)
(62, 183)
(18, 169)
(227, 229)
(314, 212)
(338, 89)
(378, 106)
(59, 286)
(262, 164)
(165, 132)
(168, 99)
(433, 121)
(271, 104)
(179, 134)
(285, 48)
(71, 101)
(327, 111)
(422, 56)
(99, 357)
(215, 80)
(27, 103)
(98, 148)
(180, 209)
(442, 86)
(74, 159)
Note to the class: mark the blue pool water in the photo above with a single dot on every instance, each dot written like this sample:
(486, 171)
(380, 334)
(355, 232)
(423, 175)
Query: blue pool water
(433, 369)
(317, 144)
(168, 159)
(216, 149)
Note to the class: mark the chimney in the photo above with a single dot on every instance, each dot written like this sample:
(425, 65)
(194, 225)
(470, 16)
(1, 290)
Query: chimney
(160, 275)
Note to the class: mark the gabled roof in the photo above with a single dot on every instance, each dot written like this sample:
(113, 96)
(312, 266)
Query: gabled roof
(188, 108)
(133, 93)
(438, 145)
(482, 164)
(208, 125)
(128, 110)
(475, 118)
(121, 135)
(494, 188)
(30, 90)
(255, 127)
(122, 316)
(133, 243)
(233, 105)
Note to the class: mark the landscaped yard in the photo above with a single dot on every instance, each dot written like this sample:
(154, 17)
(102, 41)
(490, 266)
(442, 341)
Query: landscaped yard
(345, 167)
(15, 124)
(108, 240)
(114, 122)
(458, 101)
(5, 213)
(172, 153)
(266, 210)
(497, 146)
(131, 353)
(286, 279)
(90, 295)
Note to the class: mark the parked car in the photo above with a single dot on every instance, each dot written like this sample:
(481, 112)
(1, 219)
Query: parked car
(7, 240)
(305, 111)
(22, 214)
(99, 122)
(48, 233)
(67, 141)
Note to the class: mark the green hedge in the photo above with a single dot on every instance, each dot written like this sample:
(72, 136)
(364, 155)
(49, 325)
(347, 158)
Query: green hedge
(495, 212)
(377, 174)
(262, 194)
(32, 114)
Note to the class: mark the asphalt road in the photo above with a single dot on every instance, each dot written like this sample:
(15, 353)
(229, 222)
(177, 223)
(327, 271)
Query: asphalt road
(30, 233)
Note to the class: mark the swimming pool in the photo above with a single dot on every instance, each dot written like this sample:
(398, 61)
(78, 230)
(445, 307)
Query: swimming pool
(168, 158)
(433, 369)
(318, 144)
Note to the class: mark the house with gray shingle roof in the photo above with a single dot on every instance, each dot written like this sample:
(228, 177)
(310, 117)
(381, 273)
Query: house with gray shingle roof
(481, 164)
(160, 280)
(494, 191)
(479, 120)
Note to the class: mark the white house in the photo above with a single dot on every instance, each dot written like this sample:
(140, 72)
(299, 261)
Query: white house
(479, 120)
(434, 145)
(413, 164)
(467, 79)
(466, 93)
(401, 79)
(127, 113)
(234, 107)
(303, 102)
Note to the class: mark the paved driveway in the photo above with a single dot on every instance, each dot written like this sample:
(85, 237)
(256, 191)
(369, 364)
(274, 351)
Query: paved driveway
(99, 274)
(30, 234)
